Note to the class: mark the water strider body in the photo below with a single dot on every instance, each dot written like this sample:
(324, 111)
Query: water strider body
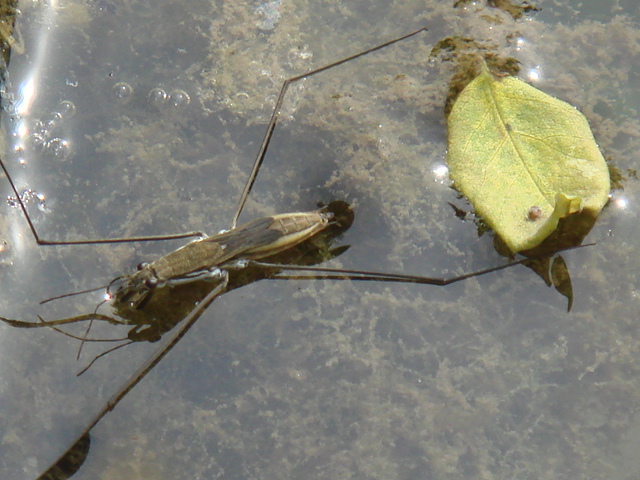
(210, 258)
(158, 295)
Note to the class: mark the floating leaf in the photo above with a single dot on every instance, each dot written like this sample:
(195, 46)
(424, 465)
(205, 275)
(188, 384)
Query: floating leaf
(523, 159)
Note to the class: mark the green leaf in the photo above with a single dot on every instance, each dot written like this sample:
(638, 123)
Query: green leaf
(523, 159)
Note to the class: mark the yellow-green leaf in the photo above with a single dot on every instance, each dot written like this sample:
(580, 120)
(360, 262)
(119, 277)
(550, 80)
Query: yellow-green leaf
(524, 159)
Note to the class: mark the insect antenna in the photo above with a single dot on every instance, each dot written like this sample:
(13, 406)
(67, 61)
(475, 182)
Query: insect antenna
(91, 317)
(76, 337)
(81, 292)
(83, 339)
(86, 332)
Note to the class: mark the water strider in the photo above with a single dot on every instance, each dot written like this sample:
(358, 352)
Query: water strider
(211, 266)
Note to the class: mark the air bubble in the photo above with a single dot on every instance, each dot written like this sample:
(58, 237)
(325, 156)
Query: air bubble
(179, 99)
(67, 109)
(157, 97)
(38, 136)
(106, 7)
(54, 122)
(269, 15)
(123, 92)
(299, 57)
(37, 141)
(60, 148)
(270, 100)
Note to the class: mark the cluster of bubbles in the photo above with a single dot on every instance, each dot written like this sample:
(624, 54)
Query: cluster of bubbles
(29, 197)
(156, 97)
(45, 135)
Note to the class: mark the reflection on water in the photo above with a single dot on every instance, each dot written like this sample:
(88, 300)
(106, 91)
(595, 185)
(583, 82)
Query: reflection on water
(487, 378)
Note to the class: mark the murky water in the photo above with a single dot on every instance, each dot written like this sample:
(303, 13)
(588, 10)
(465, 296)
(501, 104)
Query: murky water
(146, 118)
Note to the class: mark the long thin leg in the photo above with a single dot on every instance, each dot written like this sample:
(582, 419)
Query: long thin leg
(276, 113)
(321, 273)
(247, 189)
(106, 352)
(250, 181)
(64, 321)
(315, 273)
(142, 372)
(41, 241)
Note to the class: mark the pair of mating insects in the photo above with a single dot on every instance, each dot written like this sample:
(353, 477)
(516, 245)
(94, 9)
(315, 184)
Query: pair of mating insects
(217, 259)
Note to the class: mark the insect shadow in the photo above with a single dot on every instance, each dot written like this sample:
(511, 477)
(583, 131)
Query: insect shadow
(166, 297)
